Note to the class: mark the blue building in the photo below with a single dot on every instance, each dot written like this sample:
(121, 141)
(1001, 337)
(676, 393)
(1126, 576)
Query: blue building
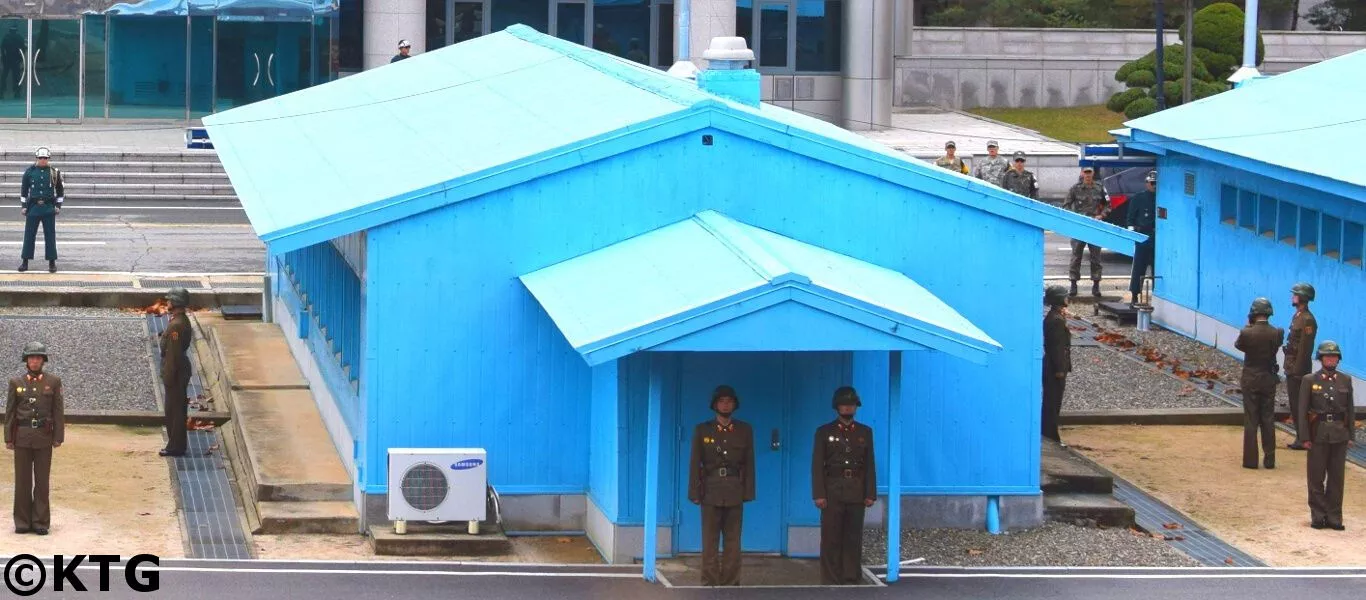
(563, 279)
(1257, 192)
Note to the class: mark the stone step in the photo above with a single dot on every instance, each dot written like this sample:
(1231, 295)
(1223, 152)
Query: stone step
(14, 178)
(1101, 509)
(450, 539)
(58, 156)
(75, 187)
(307, 517)
(1063, 473)
(101, 198)
(121, 165)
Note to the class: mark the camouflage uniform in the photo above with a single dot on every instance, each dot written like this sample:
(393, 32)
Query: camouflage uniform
(1021, 182)
(991, 170)
(952, 164)
(1089, 200)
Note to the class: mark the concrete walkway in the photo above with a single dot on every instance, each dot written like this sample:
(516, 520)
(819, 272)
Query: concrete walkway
(132, 136)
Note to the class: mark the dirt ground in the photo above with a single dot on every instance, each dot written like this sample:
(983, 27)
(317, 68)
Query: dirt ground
(110, 494)
(551, 549)
(1198, 470)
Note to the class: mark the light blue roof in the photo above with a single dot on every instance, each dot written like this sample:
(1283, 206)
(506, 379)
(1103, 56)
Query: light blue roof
(1308, 120)
(505, 108)
(650, 290)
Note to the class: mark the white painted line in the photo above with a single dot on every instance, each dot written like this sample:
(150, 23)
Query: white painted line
(429, 563)
(1272, 575)
(152, 207)
(163, 275)
(151, 567)
(59, 243)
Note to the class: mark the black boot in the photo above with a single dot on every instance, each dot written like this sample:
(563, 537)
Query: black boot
(51, 266)
(1095, 289)
(23, 266)
(1072, 293)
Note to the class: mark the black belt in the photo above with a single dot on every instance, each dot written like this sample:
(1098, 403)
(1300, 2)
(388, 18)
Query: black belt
(726, 472)
(1331, 417)
(846, 473)
(35, 423)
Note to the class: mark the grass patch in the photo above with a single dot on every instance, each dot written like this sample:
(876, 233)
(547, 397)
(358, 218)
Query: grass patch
(1089, 124)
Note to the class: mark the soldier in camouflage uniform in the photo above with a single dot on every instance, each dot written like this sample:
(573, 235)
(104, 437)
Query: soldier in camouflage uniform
(1019, 180)
(1259, 342)
(950, 161)
(1327, 426)
(993, 167)
(844, 485)
(35, 423)
(1086, 197)
(40, 201)
(721, 481)
(1303, 328)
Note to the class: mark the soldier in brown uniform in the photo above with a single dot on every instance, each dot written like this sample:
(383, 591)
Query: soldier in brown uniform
(843, 484)
(1298, 346)
(1057, 359)
(721, 480)
(175, 371)
(1327, 426)
(35, 423)
(1259, 342)
(1087, 197)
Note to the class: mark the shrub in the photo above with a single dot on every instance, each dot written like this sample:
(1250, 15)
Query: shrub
(1219, 28)
(1122, 99)
(1140, 108)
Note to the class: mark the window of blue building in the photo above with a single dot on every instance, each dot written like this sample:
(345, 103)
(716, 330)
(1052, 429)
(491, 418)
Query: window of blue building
(1247, 210)
(1309, 230)
(1288, 224)
(1228, 205)
(804, 36)
(1352, 240)
(1331, 236)
(1266, 217)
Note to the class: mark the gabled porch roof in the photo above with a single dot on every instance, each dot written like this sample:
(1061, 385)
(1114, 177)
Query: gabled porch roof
(711, 283)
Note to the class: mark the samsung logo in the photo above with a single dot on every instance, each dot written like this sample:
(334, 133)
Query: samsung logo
(467, 464)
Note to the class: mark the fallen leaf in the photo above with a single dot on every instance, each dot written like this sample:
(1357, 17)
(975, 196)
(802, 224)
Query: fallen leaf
(143, 514)
(1228, 561)
(973, 552)
(1176, 538)
(563, 540)
(1186, 391)
(1171, 526)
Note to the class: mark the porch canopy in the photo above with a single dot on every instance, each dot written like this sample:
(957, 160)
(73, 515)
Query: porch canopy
(711, 283)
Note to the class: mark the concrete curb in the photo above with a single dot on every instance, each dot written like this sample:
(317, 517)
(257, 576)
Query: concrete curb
(116, 298)
(1171, 416)
(137, 418)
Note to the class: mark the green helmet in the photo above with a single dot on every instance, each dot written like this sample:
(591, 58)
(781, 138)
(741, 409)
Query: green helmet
(1328, 348)
(724, 391)
(178, 297)
(1303, 290)
(1260, 307)
(35, 349)
(1055, 295)
(846, 396)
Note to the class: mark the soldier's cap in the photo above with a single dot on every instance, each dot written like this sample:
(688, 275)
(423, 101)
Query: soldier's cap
(1152, 176)
(993, 144)
(1088, 169)
(950, 144)
(43, 152)
(1019, 156)
(404, 44)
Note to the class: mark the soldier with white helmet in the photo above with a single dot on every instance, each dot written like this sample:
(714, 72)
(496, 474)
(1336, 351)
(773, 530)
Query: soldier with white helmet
(40, 201)
(403, 51)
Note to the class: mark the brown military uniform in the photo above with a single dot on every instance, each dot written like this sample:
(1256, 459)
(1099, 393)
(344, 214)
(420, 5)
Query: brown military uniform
(175, 376)
(1328, 419)
(1089, 200)
(1299, 349)
(721, 480)
(1259, 343)
(843, 474)
(1057, 358)
(35, 422)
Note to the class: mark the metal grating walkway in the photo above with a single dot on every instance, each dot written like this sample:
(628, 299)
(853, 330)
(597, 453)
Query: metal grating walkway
(213, 526)
(1152, 514)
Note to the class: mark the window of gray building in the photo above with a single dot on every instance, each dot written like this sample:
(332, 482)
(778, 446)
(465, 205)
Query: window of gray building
(788, 36)
(637, 30)
(351, 31)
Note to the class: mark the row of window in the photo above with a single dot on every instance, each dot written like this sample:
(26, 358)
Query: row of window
(787, 36)
(1297, 226)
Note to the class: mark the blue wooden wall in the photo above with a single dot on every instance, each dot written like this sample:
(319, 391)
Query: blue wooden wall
(321, 285)
(1242, 235)
(478, 363)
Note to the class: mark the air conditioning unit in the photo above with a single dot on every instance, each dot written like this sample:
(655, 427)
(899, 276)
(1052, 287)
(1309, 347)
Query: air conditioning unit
(438, 484)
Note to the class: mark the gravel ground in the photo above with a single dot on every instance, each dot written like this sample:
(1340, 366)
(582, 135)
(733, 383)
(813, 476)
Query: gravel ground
(102, 358)
(1100, 380)
(1050, 545)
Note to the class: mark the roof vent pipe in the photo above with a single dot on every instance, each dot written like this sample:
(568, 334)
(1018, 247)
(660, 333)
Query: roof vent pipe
(1249, 69)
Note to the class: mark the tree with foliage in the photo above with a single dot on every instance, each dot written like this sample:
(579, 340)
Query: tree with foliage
(1218, 51)
(1338, 15)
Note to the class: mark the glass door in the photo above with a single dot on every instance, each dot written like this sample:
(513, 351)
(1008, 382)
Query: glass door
(262, 59)
(14, 69)
(55, 69)
(570, 20)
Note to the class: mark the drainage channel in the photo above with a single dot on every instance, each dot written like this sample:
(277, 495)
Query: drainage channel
(1226, 393)
(1150, 513)
(212, 523)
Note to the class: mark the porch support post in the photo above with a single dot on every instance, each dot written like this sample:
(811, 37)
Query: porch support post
(652, 467)
(894, 467)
